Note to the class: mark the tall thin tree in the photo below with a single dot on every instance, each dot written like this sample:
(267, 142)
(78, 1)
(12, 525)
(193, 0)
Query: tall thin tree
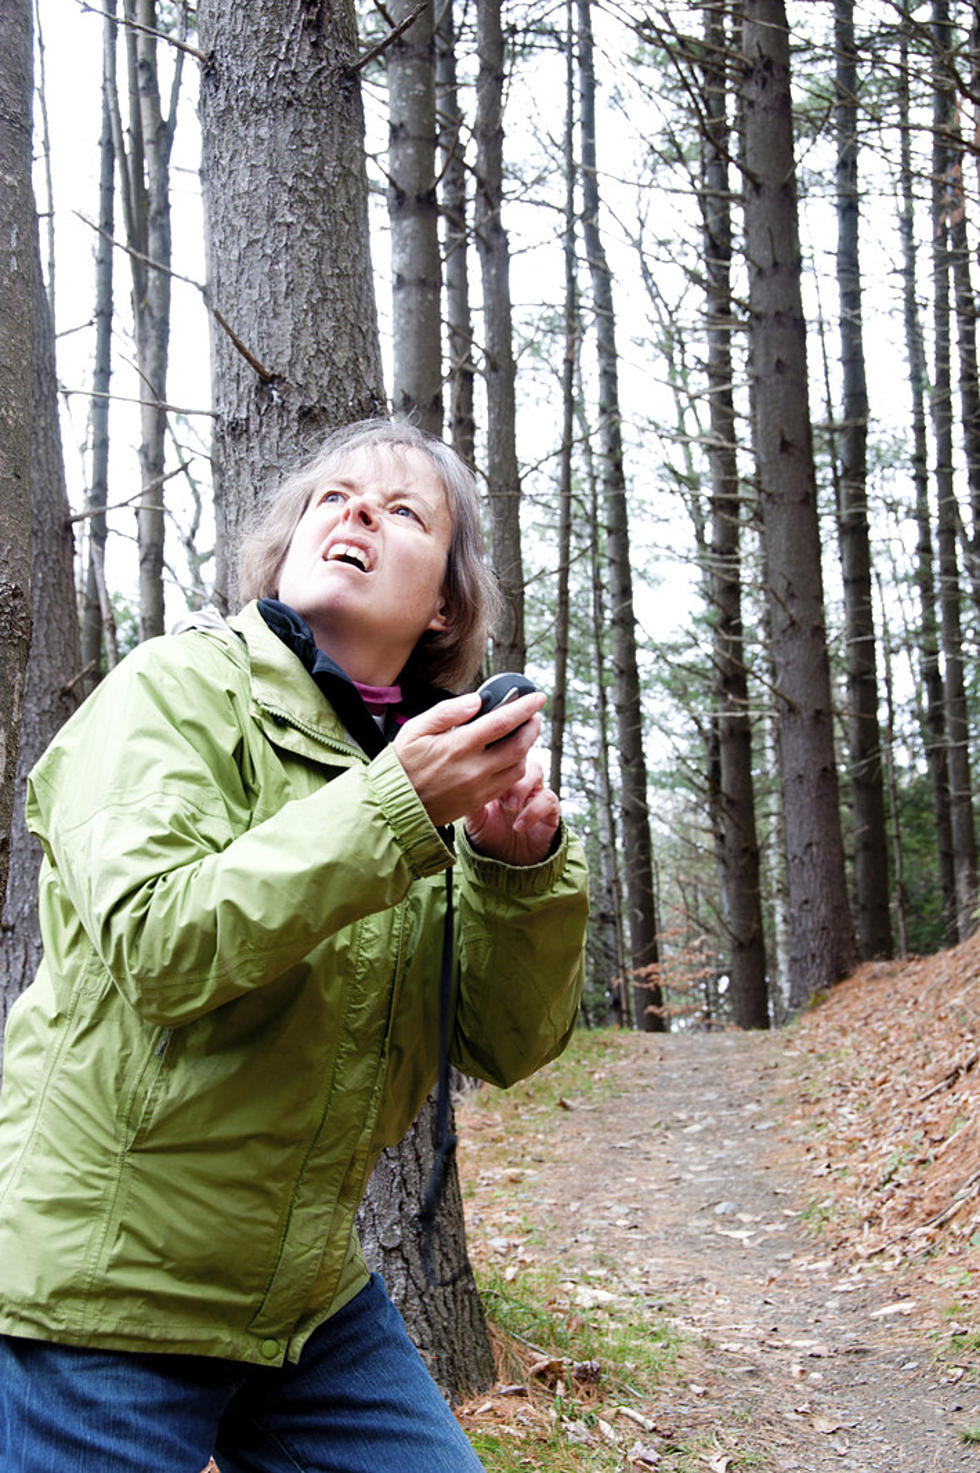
(96, 613)
(559, 696)
(736, 841)
(446, 1319)
(412, 214)
(823, 947)
(503, 476)
(871, 888)
(948, 517)
(635, 812)
(144, 176)
(934, 716)
(456, 240)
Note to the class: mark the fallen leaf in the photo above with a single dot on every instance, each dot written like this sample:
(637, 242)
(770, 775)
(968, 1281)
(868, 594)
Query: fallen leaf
(587, 1297)
(633, 1416)
(901, 1306)
(549, 1367)
(827, 1425)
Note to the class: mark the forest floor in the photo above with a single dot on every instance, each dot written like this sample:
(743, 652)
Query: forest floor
(801, 1210)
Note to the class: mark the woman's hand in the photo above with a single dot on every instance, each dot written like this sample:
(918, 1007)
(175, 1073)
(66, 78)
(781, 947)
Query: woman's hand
(519, 826)
(479, 770)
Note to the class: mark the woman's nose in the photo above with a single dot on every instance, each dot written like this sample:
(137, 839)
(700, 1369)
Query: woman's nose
(358, 509)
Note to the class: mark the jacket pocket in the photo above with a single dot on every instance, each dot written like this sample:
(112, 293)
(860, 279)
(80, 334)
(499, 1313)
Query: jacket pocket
(142, 1099)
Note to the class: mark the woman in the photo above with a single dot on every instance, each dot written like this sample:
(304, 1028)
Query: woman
(246, 834)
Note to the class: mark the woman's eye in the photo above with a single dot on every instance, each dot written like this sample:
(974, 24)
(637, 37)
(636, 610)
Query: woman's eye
(405, 511)
(330, 498)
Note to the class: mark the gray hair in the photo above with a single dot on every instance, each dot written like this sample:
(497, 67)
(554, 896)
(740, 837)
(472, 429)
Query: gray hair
(449, 657)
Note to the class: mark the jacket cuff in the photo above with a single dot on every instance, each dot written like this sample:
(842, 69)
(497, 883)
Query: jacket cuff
(420, 841)
(515, 879)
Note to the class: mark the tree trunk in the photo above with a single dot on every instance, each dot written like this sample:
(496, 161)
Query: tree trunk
(823, 948)
(948, 518)
(637, 846)
(559, 694)
(778, 889)
(611, 945)
(286, 228)
(934, 733)
(51, 687)
(736, 841)
(864, 736)
(150, 184)
(412, 214)
(446, 1317)
(16, 292)
(462, 423)
(891, 780)
(93, 600)
(503, 478)
(303, 304)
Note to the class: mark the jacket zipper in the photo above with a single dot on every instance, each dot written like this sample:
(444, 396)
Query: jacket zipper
(286, 718)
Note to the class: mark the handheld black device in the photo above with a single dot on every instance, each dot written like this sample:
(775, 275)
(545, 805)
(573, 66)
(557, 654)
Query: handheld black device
(501, 689)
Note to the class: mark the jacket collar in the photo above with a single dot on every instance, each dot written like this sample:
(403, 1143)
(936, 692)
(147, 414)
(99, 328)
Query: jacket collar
(293, 679)
(334, 682)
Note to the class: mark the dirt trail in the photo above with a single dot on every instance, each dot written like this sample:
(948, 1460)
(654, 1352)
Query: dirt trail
(683, 1183)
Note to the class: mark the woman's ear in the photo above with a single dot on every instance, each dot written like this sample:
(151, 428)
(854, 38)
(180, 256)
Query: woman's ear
(443, 618)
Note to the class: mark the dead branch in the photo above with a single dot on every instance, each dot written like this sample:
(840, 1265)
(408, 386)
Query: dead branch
(389, 40)
(948, 1080)
(147, 31)
(264, 374)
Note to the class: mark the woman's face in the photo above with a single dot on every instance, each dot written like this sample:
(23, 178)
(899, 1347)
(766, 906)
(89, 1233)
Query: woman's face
(366, 566)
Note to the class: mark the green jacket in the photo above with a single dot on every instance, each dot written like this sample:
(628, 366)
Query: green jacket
(238, 1005)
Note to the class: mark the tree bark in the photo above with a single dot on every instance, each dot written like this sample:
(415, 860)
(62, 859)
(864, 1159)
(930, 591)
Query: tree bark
(51, 688)
(286, 229)
(733, 804)
(412, 214)
(635, 813)
(16, 293)
(823, 947)
(446, 1317)
(871, 886)
(503, 477)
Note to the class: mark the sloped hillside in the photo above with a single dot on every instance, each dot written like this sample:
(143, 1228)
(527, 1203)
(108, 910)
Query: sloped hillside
(890, 1090)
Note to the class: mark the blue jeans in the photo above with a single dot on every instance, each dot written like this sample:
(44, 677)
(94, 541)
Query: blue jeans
(359, 1401)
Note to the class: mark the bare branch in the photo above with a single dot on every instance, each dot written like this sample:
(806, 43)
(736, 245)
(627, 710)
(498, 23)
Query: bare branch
(390, 39)
(147, 30)
(266, 376)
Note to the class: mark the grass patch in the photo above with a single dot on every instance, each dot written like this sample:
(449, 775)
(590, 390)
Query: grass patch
(576, 1385)
(579, 1076)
